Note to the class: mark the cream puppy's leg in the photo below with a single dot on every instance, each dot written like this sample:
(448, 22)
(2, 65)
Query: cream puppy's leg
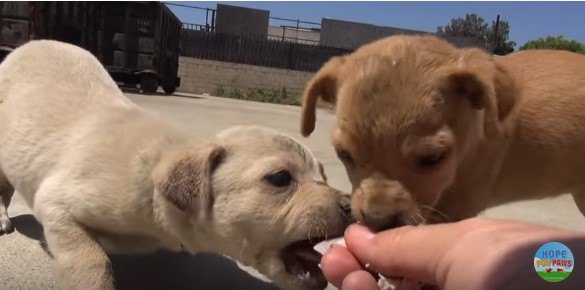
(6, 192)
(80, 263)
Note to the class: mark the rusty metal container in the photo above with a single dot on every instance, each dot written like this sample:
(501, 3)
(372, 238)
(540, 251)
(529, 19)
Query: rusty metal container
(137, 42)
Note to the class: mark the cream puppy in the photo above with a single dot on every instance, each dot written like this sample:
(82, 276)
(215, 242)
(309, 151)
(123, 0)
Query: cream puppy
(105, 176)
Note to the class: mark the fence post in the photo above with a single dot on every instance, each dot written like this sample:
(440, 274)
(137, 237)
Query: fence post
(206, 16)
(495, 42)
(290, 62)
(238, 55)
(283, 31)
(213, 20)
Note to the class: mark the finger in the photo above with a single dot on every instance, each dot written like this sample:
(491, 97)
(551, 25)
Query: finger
(359, 280)
(337, 263)
(411, 252)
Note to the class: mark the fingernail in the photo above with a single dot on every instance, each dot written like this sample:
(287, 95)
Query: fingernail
(346, 230)
(360, 231)
(329, 250)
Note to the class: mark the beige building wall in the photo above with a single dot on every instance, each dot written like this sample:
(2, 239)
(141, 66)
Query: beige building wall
(292, 34)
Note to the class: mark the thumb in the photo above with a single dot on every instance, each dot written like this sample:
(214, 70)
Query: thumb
(410, 252)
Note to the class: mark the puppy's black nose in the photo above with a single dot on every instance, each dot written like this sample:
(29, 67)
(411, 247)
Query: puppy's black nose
(345, 209)
(378, 222)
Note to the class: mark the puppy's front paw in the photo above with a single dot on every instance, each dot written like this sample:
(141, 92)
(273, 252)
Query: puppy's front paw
(6, 226)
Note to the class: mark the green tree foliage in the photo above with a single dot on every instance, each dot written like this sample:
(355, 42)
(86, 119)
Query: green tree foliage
(555, 42)
(474, 26)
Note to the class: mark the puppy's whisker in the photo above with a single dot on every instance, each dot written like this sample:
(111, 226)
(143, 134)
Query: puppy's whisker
(309, 232)
(421, 218)
(244, 246)
(436, 211)
(413, 220)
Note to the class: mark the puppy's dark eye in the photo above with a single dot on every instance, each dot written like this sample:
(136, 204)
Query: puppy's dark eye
(344, 155)
(428, 161)
(279, 179)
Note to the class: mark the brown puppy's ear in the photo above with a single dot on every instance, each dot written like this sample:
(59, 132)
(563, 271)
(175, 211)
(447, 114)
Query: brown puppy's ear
(185, 179)
(323, 85)
(467, 85)
(507, 90)
(479, 93)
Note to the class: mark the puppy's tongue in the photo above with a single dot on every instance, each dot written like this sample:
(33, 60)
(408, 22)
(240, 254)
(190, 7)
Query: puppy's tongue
(309, 255)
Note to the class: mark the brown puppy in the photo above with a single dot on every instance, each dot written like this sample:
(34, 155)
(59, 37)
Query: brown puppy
(427, 131)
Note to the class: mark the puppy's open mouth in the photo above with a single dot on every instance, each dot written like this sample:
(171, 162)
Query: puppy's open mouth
(302, 261)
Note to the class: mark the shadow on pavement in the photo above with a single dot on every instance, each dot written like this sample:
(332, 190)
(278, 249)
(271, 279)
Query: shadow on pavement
(181, 271)
(176, 94)
(28, 226)
(165, 270)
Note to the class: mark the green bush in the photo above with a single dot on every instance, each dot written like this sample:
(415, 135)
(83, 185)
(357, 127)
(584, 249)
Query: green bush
(555, 42)
(258, 95)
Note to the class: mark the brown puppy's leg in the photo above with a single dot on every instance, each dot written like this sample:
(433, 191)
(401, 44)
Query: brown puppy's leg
(579, 198)
(6, 192)
(80, 262)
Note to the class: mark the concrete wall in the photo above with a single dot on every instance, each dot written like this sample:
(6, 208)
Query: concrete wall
(347, 34)
(200, 76)
(241, 20)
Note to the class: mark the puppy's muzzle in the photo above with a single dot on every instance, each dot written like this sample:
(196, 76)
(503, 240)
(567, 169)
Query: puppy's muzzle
(379, 222)
(383, 204)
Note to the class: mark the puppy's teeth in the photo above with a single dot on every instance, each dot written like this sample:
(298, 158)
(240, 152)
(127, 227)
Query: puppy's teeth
(304, 276)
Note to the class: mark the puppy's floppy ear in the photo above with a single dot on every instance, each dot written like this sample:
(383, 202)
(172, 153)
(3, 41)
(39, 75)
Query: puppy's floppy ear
(507, 89)
(323, 85)
(480, 94)
(185, 179)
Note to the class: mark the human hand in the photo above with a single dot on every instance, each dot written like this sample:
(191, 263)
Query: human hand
(464, 255)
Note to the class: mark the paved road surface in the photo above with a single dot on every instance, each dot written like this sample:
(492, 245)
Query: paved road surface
(26, 266)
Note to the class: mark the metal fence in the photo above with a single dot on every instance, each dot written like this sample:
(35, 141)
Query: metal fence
(284, 47)
(201, 43)
(290, 43)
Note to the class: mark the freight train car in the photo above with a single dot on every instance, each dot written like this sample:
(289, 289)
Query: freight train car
(137, 42)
